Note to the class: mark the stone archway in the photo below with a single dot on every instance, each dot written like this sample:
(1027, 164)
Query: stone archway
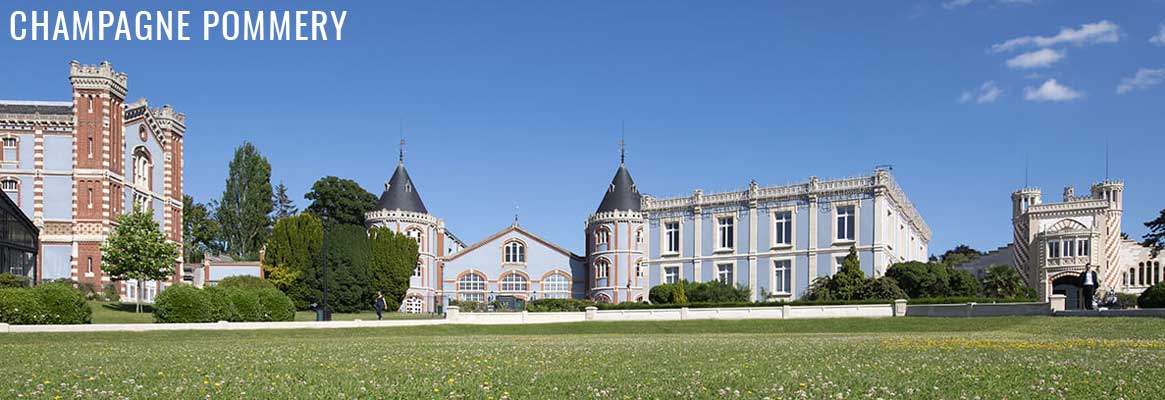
(1069, 286)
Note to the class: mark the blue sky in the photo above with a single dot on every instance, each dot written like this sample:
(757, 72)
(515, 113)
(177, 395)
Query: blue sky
(520, 103)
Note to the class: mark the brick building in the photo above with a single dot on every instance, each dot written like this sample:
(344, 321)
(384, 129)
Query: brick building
(74, 166)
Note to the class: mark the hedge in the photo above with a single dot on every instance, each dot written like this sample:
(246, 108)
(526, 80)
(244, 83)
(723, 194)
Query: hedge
(63, 304)
(1153, 297)
(184, 303)
(245, 282)
(551, 305)
(20, 307)
(52, 303)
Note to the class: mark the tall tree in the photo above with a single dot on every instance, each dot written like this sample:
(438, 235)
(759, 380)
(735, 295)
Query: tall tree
(244, 212)
(1003, 281)
(199, 230)
(394, 256)
(137, 249)
(849, 279)
(292, 249)
(960, 254)
(348, 254)
(283, 206)
(339, 201)
(1155, 239)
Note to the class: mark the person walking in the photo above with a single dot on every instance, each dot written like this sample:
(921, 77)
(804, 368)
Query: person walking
(379, 305)
(1089, 282)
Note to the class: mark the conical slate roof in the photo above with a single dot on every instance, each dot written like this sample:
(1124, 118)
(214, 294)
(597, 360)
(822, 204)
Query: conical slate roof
(401, 194)
(622, 195)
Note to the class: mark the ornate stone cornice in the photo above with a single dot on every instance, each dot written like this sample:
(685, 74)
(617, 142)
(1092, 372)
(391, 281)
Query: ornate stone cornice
(617, 216)
(372, 217)
(880, 181)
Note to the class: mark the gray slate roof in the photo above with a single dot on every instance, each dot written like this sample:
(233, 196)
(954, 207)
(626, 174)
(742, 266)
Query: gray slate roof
(44, 108)
(622, 194)
(401, 193)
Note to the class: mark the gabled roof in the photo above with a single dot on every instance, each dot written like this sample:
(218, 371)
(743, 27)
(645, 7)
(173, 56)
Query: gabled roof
(503, 232)
(401, 194)
(622, 194)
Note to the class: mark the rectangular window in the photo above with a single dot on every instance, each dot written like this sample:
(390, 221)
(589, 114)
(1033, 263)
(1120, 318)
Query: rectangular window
(671, 274)
(1054, 249)
(671, 232)
(1085, 246)
(9, 149)
(724, 226)
(845, 223)
(417, 270)
(478, 297)
(783, 228)
(1070, 248)
(90, 147)
(724, 273)
(89, 266)
(782, 276)
(838, 262)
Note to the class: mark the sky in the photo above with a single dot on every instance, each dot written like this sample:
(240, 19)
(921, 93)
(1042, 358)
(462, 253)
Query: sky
(519, 106)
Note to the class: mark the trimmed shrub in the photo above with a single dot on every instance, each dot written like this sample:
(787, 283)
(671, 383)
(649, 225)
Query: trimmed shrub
(698, 292)
(1153, 297)
(247, 305)
(885, 288)
(8, 280)
(245, 282)
(552, 305)
(1126, 300)
(181, 303)
(221, 307)
(663, 294)
(20, 307)
(62, 304)
(275, 305)
(468, 306)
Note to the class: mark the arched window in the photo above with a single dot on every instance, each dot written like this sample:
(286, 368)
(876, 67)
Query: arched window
(413, 305)
(514, 252)
(602, 236)
(602, 298)
(1132, 276)
(416, 234)
(515, 283)
(638, 238)
(12, 189)
(640, 269)
(10, 149)
(1141, 274)
(142, 169)
(471, 287)
(417, 269)
(602, 268)
(556, 286)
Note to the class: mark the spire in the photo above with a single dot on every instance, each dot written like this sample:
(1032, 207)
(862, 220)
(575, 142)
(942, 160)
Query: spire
(402, 150)
(400, 193)
(622, 143)
(621, 194)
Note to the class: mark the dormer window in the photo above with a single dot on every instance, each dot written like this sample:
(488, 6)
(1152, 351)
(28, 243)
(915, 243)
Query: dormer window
(514, 252)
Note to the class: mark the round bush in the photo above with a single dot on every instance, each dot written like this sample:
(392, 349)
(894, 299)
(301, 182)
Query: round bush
(20, 307)
(181, 303)
(275, 305)
(221, 307)
(8, 280)
(246, 302)
(62, 304)
(1153, 297)
(245, 282)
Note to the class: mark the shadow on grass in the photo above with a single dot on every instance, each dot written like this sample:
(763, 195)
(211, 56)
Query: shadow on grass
(128, 307)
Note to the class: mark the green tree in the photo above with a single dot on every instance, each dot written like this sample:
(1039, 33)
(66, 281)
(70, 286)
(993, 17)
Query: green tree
(348, 254)
(1155, 239)
(681, 295)
(920, 280)
(289, 264)
(884, 288)
(137, 249)
(339, 201)
(199, 230)
(1002, 281)
(848, 280)
(394, 256)
(960, 254)
(244, 212)
(962, 284)
(283, 206)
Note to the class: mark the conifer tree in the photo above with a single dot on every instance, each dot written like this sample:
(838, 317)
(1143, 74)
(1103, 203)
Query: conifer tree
(244, 212)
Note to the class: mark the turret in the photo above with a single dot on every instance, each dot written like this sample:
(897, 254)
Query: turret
(616, 242)
(1110, 190)
(1024, 198)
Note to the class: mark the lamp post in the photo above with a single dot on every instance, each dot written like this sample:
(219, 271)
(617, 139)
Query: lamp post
(324, 239)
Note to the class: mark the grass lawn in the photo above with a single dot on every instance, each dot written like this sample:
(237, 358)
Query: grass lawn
(123, 313)
(1014, 357)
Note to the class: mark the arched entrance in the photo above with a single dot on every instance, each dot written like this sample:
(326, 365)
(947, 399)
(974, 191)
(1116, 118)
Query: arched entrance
(1069, 286)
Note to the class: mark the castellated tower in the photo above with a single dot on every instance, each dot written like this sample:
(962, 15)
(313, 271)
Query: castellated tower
(616, 241)
(1113, 192)
(1021, 200)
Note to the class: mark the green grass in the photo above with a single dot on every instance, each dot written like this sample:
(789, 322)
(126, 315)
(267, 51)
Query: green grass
(1014, 357)
(123, 313)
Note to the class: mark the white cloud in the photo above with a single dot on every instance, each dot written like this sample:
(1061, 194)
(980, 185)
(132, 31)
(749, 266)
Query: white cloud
(1159, 38)
(1097, 32)
(1050, 91)
(1036, 59)
(987, 93)
(1144, 78)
